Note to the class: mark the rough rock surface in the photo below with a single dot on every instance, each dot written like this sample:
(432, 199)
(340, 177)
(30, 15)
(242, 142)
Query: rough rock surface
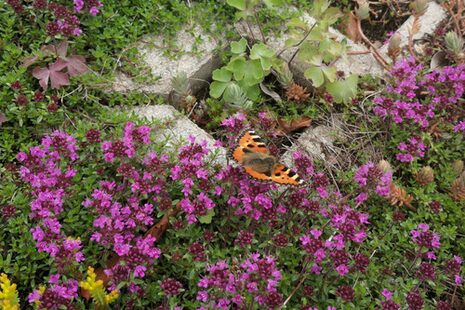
(178, 128)
(196, 57)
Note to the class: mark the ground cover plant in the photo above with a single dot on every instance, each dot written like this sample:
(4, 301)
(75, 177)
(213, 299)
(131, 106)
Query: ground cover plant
(98, 213)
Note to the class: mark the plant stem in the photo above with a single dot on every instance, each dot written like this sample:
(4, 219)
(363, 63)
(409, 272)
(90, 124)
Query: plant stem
(302, 279)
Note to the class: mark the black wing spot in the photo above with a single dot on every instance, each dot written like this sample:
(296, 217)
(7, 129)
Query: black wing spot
(246, 150)
(261, 145)
(291, 173)
(258, 139)
(250, 145)
(278, 174)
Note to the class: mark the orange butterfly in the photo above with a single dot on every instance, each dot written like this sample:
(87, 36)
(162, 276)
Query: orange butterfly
(255, 157)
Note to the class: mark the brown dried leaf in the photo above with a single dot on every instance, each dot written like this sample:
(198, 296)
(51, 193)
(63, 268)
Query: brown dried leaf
(296, 124)
(349, 26)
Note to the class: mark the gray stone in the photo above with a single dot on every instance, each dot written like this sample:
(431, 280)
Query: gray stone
(197, 63)
(351, 64)
(314, 141)
(176, 128)
(428, 22)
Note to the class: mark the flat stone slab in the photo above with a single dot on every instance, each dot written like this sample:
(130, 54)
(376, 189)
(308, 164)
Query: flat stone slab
(176, 128)
(361, 64)
(195, 56)
(428, 23)
(313, 142)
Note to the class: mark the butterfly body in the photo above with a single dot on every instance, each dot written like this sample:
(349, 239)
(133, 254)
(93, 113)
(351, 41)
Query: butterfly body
(257, 161)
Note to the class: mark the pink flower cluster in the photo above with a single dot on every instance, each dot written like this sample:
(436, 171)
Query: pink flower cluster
(49, 170)
(195, 178)
(371, 178)
(414, 147)
(227, 286)
(423, 237)
(58, 295)
(133, 138)
(252, 198)
(406, 103)
(333, 252)
(65, 22)
(234, 125)
(92, 6)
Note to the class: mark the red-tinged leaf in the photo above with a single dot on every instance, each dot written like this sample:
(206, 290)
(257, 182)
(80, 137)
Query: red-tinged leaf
(42, 74)
(29, 61)
(2, 118)
(58, 79)
(62, 49)
(58, 65)
(76, 65)
(48, 50)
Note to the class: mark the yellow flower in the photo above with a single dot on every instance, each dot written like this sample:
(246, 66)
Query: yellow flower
(109, 298)
(96, 289)
(8, 294)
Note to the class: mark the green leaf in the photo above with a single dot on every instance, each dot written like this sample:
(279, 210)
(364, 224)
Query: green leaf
(238, 4)
(343, 90)
(254, 73)
(221, 75)
(238, 67)
(238, 47)
(315, 74)
(260, 50)
(217, 89)
(330, 73)
(273, 3)
(207, 219)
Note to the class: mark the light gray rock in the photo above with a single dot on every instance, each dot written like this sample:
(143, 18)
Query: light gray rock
(351, 64)
(197, 63)
(428, 22)
(314, 141)
(176, 128)
(362, 64)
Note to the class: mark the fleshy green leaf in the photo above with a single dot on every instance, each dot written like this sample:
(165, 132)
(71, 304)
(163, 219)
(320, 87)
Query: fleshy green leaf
(315, 74)
(343, 90)
(238, 47)
(238, 4)
(221, 75)
(217, 88)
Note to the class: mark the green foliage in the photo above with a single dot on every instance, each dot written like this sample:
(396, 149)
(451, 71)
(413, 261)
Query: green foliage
(238, 83)
(319, 50)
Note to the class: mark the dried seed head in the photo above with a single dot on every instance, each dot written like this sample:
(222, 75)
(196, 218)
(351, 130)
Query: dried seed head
(457, 191)
(297, 93)
(394, 45)
(425, 176)
(384, 166)
(457, 166)
(419, 7)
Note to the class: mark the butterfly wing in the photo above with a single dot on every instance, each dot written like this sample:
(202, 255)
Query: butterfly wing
(284, 175)
(249, 141)
(257, 175)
